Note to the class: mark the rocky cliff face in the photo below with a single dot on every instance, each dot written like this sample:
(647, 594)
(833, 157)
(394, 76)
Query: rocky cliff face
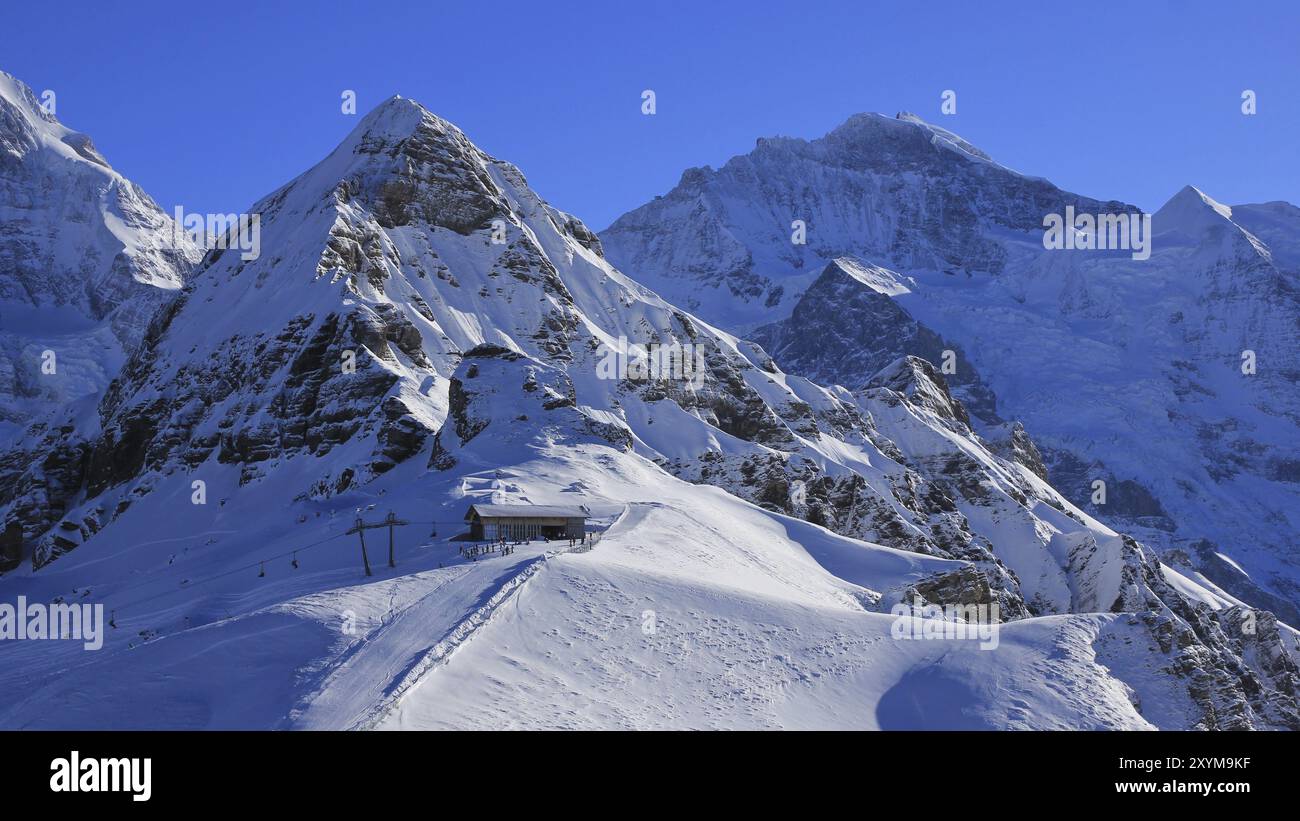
(1129, 372)
(86, 257)
(894, 190)
(848, 324)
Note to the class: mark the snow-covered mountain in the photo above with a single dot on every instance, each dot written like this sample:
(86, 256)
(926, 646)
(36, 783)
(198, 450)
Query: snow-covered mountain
(1124, 370)
(422, 331)
(85, 259)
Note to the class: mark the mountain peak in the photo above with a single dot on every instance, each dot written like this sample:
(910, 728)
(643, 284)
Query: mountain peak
(17, 93)
(27, 125)
(406, 163)
(1190, 211)
(1192, 196)
(867, 128)
(881, 280)
(398, 117)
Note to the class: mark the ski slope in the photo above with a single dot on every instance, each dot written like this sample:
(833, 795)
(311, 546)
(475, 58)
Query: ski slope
(759, 621)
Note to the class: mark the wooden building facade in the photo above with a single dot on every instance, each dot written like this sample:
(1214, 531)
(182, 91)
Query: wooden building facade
(491, 523)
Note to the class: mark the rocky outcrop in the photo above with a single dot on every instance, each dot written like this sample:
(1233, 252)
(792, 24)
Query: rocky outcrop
(1017, 446)
(1233, 662)
(966, 587)
(508, 395)
(920, 384)
(11, 546)
(848, 326)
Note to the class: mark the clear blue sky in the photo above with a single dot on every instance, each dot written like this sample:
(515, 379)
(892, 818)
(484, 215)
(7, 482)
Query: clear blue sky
(211, 106)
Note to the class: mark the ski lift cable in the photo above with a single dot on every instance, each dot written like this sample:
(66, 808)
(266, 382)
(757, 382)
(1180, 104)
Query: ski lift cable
(260, 564)
(256, 564)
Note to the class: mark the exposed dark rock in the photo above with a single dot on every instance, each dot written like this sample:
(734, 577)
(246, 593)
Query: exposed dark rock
(964, 587)
(844, 331)
(1019, 448)
(921, 384)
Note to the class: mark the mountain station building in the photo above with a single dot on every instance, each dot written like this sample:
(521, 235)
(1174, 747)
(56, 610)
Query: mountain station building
(492, 523)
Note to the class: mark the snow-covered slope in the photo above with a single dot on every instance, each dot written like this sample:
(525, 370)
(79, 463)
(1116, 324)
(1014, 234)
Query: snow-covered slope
(1123, 370)
(422, 331)
(85, 259)
(694, 610)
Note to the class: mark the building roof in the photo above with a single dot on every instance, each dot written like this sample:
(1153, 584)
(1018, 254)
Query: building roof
(526, 511)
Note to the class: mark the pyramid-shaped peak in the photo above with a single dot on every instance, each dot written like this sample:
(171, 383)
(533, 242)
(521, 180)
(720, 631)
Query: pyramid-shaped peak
(1190, 211)
(406, 161)
(881, 280)
(1192, 197)
(399, 117)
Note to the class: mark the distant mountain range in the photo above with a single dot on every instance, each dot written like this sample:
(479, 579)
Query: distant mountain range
(1127, 371)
